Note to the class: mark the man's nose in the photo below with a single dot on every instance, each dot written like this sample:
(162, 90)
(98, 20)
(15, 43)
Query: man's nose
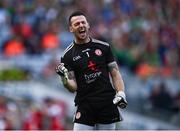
(81, 24)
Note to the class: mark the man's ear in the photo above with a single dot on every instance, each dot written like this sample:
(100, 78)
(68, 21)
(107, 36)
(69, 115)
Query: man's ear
(70, 29)
(88, 26)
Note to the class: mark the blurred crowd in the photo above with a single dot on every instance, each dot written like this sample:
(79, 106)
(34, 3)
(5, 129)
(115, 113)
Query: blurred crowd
(144, 35)
(26, 114)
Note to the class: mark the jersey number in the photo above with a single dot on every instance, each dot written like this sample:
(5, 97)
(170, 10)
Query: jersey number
(87, 54)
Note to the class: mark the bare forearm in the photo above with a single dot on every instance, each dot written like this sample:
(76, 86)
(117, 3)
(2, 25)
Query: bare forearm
(120, 97)
(70, 82)
(118, 82)
(116, 77)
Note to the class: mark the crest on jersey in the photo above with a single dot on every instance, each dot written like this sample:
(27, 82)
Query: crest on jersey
(98, 52)
(78, 115)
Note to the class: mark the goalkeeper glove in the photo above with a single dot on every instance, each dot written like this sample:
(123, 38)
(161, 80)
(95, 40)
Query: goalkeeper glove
(120, 99)
(61, 70)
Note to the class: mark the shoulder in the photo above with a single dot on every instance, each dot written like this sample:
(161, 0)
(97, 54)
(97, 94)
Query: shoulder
(68, 49)
(100, 42)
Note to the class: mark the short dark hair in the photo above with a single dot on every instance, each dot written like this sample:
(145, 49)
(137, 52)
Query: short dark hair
(75, 13)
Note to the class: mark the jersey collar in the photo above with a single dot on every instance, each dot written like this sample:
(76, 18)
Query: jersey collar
(83, 43)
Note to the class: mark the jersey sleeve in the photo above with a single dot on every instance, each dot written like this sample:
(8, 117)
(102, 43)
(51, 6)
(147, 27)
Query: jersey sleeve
(66, 62)
(109, 55)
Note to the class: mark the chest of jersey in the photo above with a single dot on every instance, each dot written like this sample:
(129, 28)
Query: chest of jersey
(88, 59)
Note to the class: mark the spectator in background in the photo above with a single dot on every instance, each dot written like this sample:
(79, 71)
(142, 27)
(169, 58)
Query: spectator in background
(14, 47)
(161, 98)
(55, 112)
(33, 115)
(8, 114)
(176, 104)
(50, 40)
(5, 27)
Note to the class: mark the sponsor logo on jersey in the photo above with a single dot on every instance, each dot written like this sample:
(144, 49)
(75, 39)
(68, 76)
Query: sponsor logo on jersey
(98, 52)
(76, 58)
(92, 77)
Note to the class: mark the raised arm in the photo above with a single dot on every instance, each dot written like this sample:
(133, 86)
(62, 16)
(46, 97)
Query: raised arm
(68, 78)
(70, 82)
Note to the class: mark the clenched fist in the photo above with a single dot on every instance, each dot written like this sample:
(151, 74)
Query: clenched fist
(61, 70)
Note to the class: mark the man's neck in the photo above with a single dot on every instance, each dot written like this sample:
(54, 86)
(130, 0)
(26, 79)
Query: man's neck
(82, 41)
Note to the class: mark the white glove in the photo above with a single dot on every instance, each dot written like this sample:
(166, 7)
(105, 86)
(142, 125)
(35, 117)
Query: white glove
(61, 70)
(120, 99)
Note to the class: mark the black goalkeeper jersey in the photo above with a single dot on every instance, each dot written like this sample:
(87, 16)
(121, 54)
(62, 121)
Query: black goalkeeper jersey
(89, 61)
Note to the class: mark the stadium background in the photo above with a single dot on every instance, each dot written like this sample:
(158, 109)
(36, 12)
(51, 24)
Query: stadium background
(145, 38)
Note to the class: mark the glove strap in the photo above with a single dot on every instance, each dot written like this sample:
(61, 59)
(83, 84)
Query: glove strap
(64, 80)
(121, 94)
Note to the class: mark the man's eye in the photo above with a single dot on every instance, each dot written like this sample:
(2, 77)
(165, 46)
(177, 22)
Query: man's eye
(76, 24)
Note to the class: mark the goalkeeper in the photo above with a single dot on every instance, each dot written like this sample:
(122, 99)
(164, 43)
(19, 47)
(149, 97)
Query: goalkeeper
(86, 67)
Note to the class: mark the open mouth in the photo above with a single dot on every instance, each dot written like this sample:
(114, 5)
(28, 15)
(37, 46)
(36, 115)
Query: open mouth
(82, 33)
